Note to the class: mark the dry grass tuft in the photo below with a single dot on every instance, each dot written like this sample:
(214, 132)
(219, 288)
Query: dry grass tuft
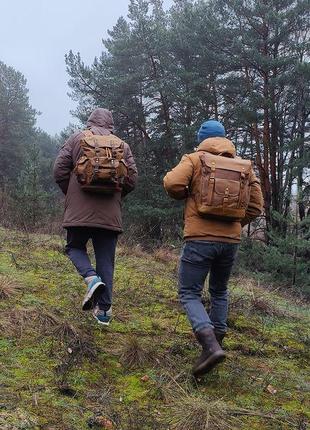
(238, 303)
(188, 411)
(133, 354)
(131, 251)
(79, 343)
(83, 345)
(15, 321)
(261, 305)
(8, 287)
(78, 346)
(257, 300)
(46, 320)
(199, 413)
(58, 247)
(63, 330)
(165, 255)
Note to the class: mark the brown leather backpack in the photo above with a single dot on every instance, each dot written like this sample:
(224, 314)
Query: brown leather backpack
(224, 187)
(101, 167)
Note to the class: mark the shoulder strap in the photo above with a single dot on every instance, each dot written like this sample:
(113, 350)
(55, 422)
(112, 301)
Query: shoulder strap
(87, 133)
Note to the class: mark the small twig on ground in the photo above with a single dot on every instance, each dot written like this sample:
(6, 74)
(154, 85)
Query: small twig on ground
(176, 383)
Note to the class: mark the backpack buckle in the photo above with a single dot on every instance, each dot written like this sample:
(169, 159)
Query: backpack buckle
(96, 167)
(226, 197)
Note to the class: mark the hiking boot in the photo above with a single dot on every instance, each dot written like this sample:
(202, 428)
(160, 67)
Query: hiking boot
(211, 355)
(219, 336)
(95, 285)
(103, 317)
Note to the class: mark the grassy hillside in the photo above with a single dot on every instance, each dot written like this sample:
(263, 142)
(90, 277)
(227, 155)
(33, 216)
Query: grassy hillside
(62, 371)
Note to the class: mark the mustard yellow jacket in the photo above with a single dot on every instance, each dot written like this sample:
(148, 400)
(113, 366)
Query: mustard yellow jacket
(186, 176)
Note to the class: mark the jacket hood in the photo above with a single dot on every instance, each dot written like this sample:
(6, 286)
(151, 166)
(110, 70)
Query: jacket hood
(100, 121)
(218, 145)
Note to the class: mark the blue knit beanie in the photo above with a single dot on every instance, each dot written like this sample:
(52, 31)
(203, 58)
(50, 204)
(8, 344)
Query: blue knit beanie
(210, 128)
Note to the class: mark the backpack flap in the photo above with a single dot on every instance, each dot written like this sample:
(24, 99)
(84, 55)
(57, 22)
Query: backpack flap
(224, 187)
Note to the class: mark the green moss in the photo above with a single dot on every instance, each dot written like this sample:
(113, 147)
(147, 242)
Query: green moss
(5, 344)
(133, 389)
(31, 300)
(295, 406)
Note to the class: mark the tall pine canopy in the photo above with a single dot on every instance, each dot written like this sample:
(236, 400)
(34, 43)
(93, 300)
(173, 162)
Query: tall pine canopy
(243, 62)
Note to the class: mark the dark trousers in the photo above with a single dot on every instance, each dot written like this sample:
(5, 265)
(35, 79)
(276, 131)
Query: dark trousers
(104, 243)
(197, 260)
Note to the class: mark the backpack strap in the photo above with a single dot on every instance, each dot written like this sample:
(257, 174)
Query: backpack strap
(97, 158)
(211, 181)
(243, 180)
(87, 133)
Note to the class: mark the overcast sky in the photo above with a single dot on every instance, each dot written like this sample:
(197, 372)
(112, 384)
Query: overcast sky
(36, 34)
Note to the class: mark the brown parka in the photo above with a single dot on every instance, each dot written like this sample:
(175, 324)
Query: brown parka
(183, 182)
(84, 209)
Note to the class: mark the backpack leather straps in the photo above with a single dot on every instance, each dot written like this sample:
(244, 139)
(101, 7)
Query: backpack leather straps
(211, 184)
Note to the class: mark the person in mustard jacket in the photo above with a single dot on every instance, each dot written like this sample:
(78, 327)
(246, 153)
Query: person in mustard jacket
(210, 245)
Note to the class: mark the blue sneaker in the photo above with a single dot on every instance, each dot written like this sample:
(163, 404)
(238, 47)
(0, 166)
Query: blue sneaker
(103, 317)
(95, 285)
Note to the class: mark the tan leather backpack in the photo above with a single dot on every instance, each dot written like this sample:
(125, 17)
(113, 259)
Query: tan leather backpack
(101, 167)
(224, 187)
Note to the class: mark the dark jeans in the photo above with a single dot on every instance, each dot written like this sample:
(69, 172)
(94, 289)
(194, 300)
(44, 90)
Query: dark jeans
(104, 243)
(197, 260)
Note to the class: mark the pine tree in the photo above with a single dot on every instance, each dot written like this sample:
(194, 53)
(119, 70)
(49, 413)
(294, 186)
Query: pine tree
(17, 120)
(30, 198)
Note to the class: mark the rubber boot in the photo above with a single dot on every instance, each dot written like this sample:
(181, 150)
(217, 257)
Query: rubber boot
(211, 355)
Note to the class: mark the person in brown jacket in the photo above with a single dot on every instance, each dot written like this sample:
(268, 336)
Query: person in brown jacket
(93, 216)
(210, 245)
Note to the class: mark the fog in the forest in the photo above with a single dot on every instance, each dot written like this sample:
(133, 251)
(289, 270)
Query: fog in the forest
(35, 35)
